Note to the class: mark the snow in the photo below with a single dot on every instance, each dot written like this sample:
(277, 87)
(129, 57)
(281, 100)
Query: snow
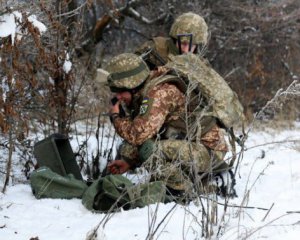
(268, 177)
(67, 64)
(40, 26)
(10, 25)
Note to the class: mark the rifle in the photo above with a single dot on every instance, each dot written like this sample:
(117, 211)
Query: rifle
(146, 56)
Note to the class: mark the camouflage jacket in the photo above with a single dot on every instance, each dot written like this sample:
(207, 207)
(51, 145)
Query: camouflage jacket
(160, 107)
(162, 104)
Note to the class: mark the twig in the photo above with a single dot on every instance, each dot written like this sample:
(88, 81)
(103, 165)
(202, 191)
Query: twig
(164, 218)
(72, 12)
(267, 213)
(293, 212)
(136, 15)
(292, 89)
(127, 10)
(234, 206)
(268, 143)
(9, 161)
(259, 228)
(152, 223)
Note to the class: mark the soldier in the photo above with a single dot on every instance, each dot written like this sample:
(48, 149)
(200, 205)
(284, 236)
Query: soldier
(157, 132)
(189, 33)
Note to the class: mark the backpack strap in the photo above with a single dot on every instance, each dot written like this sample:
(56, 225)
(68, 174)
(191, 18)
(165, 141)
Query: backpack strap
(179, 82)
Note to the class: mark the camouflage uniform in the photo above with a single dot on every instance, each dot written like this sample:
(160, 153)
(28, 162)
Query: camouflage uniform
(157, 108)
(192, 24)
(183, 143)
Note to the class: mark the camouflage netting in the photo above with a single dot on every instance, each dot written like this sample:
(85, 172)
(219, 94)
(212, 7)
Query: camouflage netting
(225, 104)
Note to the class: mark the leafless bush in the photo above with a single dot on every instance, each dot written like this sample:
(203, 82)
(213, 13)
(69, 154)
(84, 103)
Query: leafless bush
(253, 44)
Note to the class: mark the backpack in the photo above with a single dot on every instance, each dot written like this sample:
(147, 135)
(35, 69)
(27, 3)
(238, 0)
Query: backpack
(113, 192)
(223, 100)
(48, 184)
(107, 194)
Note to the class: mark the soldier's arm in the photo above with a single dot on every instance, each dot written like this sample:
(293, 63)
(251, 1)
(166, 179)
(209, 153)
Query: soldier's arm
(154, 110)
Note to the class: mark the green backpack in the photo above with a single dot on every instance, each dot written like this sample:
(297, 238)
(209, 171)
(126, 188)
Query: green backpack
(113, 192)
(109, 193)
(48, 184)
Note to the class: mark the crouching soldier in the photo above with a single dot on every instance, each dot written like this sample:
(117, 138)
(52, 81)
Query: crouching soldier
(160, 129)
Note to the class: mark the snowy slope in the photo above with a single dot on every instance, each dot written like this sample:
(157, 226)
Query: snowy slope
(263, 182)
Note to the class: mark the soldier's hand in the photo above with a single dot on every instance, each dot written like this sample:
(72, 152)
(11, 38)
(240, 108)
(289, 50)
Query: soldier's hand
(115, 108)
(158, 72)
(118, 167)
(162, 70)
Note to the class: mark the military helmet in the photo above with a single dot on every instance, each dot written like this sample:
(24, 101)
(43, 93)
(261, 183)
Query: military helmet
(190, 23)
(126, 71)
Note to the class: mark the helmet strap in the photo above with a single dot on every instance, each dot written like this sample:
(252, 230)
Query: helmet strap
(185, 35)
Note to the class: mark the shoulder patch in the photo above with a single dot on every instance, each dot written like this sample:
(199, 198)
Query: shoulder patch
(144, 106)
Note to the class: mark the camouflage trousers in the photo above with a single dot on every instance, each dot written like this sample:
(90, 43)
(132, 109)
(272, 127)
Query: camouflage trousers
(179, 163)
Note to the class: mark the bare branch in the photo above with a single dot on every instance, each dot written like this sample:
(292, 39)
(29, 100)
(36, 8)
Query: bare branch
(127, 10)
(136, 15)
(73, 12)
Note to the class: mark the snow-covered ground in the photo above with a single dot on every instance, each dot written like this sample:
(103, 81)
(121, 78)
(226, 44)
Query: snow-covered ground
(267, 206)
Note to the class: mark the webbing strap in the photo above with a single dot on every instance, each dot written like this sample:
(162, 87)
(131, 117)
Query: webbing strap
(172, 48)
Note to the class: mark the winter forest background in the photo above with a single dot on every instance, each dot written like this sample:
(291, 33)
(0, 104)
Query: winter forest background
(48, 78)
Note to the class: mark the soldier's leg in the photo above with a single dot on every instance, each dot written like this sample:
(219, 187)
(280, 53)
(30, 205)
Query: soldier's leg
(193, 159)
(163, 167)
(180, 163)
